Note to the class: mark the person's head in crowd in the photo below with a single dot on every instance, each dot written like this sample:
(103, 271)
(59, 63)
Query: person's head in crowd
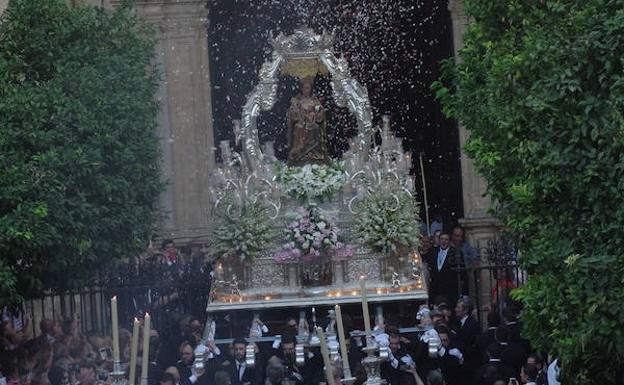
(196, 326)
(510, 315)
(502, 334)
(437, 318)
(436, 238)
(425, 244)
(46, 326)
(240, 347)
(434, 377)
(457, 236)
(439, 300)
(288, 347)
(395, 341)
(445, 241)
(464, 307)
(58, 376)
(494, 351)
(444, 334)
(167, 379)
(528, 373)
(275, 374)
(493, 319)
(8, 335)
(174, 372)
(535, 359)
(446, 312)
(168, 246)
(57, 328)
(187, 353)
(291, 324)
(68, 327)
(86, 375)
(186, 250)
(222, 377)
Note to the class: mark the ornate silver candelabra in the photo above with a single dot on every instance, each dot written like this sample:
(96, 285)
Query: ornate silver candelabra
(375, 355)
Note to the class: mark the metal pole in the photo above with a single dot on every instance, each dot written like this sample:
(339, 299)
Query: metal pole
(424, 184)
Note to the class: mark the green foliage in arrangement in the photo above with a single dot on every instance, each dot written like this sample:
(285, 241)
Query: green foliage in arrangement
(541, 88)
(242, 234)
(387, 224)
(79, 158)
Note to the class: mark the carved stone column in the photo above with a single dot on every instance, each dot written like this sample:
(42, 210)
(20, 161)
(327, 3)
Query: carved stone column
(185, 119)
(480, 226)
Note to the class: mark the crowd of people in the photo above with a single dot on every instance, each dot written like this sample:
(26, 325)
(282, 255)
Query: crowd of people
(62, 355)
(465, 355)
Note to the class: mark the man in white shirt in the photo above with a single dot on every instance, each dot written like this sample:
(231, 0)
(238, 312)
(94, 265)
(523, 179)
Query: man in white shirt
(445, 273)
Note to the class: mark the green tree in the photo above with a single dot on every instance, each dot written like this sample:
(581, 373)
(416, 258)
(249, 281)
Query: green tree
(79, 158)
(541, 88)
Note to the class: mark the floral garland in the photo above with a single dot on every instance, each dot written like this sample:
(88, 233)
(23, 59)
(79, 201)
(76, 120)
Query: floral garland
(310, 236)
(244, 236)
(388, 223)
(312, 180)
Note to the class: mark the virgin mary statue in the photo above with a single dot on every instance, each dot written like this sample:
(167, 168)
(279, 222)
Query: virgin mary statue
(306, 127)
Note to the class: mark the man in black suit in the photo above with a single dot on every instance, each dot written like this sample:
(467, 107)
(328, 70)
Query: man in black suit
(446, 274)
(240, 373)
(494, 370)
(188, 374)
(467, 329)
(449, 359)
(488, 336)
(513, 352)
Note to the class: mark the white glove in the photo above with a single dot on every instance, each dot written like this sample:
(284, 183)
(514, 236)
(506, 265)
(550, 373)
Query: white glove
(455, 352)
(277, 342)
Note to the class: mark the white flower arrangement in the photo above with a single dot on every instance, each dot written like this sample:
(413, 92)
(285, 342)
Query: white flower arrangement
(243, 236)
(312, 180)
(388, 223)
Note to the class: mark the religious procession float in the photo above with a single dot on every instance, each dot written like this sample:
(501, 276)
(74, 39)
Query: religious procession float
(310, 232)
(313, 230)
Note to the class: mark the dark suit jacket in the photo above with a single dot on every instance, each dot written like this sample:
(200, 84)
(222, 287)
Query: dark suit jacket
(447, 282)
(186, 372)
(483, 341)
(466, 338)
(253, 376)
(492, 372)
(514, 355)
(449, 365)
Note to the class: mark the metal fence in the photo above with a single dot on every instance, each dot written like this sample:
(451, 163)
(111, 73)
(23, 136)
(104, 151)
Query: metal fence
(91, 305)
(489, 284)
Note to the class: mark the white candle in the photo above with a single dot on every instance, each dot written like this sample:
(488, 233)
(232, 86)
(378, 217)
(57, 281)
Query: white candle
(367, 326)
(329, 373)
(146, 341)
(134, 347)
(115, 327)
(343, 342)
